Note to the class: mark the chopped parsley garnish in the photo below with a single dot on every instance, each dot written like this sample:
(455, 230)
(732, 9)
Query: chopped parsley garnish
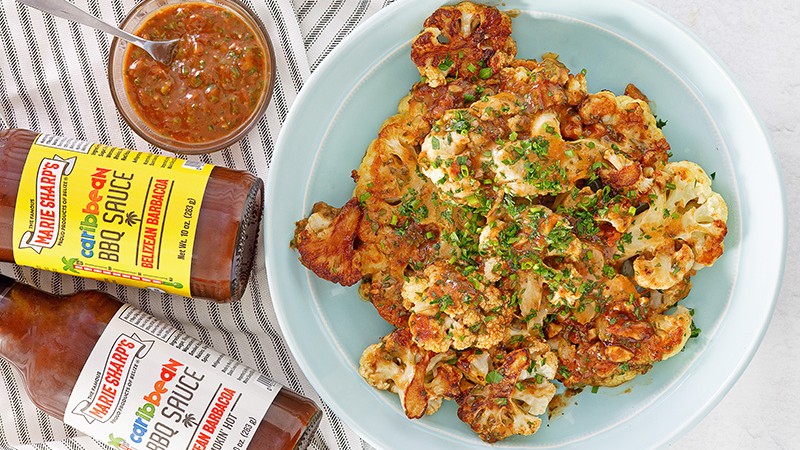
(558, 238)
(445, 65)
(494, 377)
(461, 123)
(411, 206)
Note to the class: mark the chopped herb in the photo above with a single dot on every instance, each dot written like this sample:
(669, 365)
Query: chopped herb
(461, 123)
(517, 338)
(494, 377)
(695, 331)
(485, 73)
(445, 65)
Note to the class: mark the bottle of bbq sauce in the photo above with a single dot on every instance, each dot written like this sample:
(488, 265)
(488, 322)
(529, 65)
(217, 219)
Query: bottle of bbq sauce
(133, 382)
(127, 217)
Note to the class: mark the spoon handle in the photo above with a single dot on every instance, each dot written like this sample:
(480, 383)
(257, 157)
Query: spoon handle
(67, 10)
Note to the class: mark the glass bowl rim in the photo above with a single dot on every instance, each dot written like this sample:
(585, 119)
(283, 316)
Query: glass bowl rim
(115, 70)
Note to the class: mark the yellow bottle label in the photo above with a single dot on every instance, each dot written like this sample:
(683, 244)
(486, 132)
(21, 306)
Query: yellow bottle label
(108, 213)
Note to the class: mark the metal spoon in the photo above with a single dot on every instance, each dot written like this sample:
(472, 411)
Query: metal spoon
(161, 51)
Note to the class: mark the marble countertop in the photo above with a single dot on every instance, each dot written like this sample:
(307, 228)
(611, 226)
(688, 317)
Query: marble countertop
(760, 43)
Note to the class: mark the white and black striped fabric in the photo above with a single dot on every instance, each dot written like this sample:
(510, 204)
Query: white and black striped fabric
(53, 79)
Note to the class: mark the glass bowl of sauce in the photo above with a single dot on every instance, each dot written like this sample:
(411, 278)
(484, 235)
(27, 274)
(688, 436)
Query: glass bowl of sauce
(217, 86)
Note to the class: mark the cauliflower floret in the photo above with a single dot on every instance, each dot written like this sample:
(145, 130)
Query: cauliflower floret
(453, 155)
(661, 301)
(533, 238)
(593, 208)
(530, 295)
(663, 269)
(442, 380)
(326, 242)
(474, 365)
(458, 39)
(673, 330)
(546, 83)
(447, 310)
(635, 132)
(628, 336)
(686, 214)
(534, 390)
(500, 108)
(510, 400)
(543, 164)
(419, 377)
(529, 167)
(448, 156)
(545, 366)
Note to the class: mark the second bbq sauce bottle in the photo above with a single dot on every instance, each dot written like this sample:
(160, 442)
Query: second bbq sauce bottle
(133, 382)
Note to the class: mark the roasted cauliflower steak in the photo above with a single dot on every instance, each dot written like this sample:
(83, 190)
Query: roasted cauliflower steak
(519, 233)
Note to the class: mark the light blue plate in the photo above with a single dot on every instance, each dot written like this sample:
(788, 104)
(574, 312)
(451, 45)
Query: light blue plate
(339, 112)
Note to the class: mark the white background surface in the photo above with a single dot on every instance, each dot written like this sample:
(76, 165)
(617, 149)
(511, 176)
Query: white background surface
(759, 41)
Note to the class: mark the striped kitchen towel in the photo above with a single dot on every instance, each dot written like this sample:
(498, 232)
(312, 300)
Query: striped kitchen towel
(53, 79)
